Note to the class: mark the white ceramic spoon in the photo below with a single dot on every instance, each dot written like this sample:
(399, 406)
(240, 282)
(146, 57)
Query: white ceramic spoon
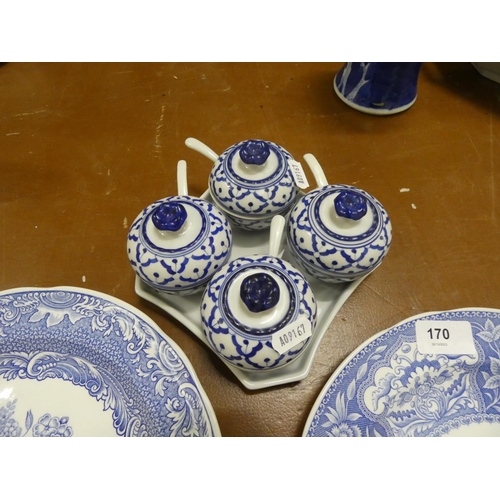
(316, 169)
(202, 148)
(182, 185)
(276, 236)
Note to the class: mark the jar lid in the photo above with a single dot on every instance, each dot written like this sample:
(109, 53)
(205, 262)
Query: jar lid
(178, 243)
(248, 301)
(345, 214)
(339, 230)
(253, 178)
(258, 298)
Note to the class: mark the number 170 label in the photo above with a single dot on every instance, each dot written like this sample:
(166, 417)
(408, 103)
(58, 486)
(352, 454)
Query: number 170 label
(444, 337)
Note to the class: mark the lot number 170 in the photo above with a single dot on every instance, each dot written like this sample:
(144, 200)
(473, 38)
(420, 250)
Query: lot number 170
(436, 333)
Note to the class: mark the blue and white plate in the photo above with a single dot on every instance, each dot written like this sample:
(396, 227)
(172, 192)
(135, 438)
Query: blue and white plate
(75, 362)
(386, 387)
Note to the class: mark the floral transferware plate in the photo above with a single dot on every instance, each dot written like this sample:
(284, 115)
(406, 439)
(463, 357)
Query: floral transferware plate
(386, 387)
(75, 362)
(186, 309)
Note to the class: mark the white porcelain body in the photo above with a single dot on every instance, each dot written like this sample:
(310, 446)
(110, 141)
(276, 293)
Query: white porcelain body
(251, 195)
(249, 223)
(245, 341)
(184, 261)
(334, 249)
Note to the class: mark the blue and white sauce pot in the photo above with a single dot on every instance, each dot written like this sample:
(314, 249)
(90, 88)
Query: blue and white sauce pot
(248, 307)
(251, 181)
(337, 233)
(177, 244)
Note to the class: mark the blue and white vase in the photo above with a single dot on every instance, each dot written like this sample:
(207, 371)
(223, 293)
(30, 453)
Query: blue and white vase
(176, 244)
(250, 182)
(378, 88)
(337, 233)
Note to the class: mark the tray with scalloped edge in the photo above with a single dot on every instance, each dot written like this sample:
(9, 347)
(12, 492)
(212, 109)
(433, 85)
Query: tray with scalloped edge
(186, 309)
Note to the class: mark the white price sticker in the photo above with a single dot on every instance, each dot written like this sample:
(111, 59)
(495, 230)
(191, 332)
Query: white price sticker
(298, 174)
(292, 335)
(444, 337)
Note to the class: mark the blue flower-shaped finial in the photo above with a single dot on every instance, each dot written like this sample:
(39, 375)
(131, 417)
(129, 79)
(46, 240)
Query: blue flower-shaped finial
(169, 216)
(350, 205)
(254, 152)
(259, 292)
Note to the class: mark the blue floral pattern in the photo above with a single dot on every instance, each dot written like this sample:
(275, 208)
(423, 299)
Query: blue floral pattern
(8, 425)
(388, 388)
(94, 342)
(47, 426)
(254, 200)
(185, 270)
(241, 346)
(331, 257)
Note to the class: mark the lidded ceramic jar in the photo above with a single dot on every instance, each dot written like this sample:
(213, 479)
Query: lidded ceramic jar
(251, 181)
(176, 244)
(337, 233)
(258, 312)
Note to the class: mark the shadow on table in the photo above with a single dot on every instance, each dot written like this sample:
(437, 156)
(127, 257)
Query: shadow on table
(465, 81)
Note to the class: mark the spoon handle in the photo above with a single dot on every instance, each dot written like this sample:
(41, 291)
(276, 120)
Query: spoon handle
(202, 148)
(276, 235)
(316, 169)
(182, 186)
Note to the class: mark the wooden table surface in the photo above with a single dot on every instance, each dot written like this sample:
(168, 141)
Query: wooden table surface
(85, 147)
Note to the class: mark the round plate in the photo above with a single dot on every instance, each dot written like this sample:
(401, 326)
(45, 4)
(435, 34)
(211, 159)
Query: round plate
(386, 387)
(75, 362)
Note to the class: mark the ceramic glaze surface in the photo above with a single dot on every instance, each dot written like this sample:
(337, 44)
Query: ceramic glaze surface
(257, 224)
(260, 292)
(378, 88)
(243, 338)
(186, 309)
(253, 224)
(333, 248)
(257, 190)
(388, 388)
(182, 251)
(78, 363)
